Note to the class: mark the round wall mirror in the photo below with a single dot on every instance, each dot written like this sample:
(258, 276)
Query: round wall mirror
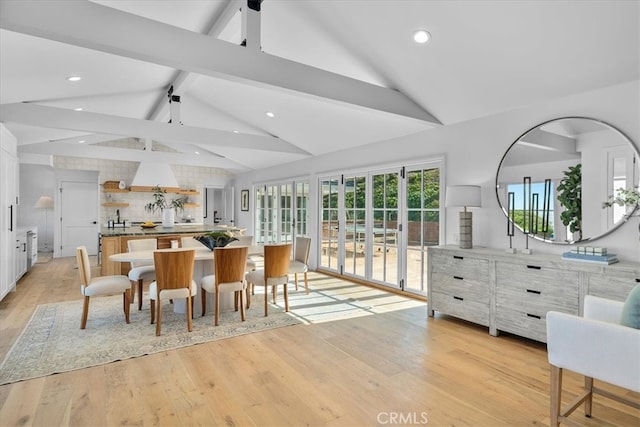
(552, 181)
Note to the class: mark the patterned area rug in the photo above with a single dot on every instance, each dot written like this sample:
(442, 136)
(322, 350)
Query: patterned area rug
(52, 342)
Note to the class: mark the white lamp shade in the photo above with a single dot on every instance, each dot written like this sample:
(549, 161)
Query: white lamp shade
(468, 196)
(44, 202)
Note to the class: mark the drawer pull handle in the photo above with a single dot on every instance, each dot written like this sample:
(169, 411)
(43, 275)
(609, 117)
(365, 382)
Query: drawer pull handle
(533, 291)
(459, 298)
(535, 316)
(458, 257)
(458, 278)
(535, 267)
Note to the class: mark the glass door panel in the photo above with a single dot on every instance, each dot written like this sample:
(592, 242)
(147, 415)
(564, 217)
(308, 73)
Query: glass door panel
(355, 209)
(384, 228)
(285, 213)
(329, 206)
(423, 224)
(302, 209)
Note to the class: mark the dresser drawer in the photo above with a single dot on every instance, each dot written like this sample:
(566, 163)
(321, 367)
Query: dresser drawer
(533, 297)
(460, 286)
(460, 307)
(613, 286)
(521, 278)
(525, 323)
(460, 266)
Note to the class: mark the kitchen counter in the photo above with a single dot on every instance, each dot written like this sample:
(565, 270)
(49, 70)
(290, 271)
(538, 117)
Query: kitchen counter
(114, 240)
(177, 229)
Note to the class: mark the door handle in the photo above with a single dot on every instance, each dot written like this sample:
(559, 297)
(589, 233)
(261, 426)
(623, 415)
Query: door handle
(94, 222)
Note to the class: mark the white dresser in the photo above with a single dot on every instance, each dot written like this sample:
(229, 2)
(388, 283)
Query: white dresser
(513, 292)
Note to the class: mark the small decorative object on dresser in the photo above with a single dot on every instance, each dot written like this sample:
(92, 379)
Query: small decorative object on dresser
(466, 196)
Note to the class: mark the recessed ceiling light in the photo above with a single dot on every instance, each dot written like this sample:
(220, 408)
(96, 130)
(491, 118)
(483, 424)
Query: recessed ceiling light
(74, 78)
(421, 36)
(81, 141)
(235, 131)
(77, 109)
(197, 152)
(270, 114)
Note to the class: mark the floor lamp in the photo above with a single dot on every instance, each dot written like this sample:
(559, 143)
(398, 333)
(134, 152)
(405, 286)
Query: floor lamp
(46, 203)
(467, 196)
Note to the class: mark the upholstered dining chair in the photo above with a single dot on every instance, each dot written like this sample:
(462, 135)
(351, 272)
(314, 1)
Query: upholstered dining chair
(141, 270)
(230, 267)
(174, 280)
(102, 285)
(596, 346)
(300, 261)
(276, 272)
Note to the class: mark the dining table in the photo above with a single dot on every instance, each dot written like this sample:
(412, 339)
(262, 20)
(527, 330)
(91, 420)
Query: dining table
(203, 266)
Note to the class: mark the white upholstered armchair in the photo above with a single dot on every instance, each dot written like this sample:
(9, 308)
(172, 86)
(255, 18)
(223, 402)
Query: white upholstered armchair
(595, 346)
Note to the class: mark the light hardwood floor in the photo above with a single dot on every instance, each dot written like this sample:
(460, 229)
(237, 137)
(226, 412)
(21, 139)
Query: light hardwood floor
(399, 368)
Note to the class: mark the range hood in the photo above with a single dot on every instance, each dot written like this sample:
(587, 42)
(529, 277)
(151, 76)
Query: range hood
(151, 174)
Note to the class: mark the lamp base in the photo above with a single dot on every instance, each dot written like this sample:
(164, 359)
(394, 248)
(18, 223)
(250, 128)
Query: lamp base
(466, 230)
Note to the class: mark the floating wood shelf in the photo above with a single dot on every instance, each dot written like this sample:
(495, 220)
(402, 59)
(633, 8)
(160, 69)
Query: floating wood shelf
(115, 204)
(116, 190)
(191, 205)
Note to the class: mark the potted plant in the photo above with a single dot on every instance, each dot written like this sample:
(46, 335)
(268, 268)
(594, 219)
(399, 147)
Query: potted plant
(168, 209)
(570, 198)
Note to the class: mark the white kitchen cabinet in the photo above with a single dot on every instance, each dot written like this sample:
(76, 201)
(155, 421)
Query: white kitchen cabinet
(21, 253)
(8, 202)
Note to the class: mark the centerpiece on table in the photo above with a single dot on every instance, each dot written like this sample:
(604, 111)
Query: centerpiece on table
(168, 209)
(215, 239)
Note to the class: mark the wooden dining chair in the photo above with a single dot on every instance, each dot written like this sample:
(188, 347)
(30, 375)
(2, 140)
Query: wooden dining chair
(103, 285)
(230, 266)
(276, 272)
(245, 240)
(141, 270)
(174, 280)
(300, 262)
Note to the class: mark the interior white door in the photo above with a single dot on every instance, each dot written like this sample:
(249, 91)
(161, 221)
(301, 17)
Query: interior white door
(79, 217)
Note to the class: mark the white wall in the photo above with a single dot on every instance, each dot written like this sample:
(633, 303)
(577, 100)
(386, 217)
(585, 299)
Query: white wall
(473, 151)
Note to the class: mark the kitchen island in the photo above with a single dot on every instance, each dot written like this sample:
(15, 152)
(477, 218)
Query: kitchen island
(114, 240)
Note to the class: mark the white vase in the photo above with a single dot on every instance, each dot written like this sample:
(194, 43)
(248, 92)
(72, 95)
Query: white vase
(168, 217)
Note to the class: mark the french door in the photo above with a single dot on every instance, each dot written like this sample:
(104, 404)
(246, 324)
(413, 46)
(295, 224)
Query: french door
(377, 225)
(281, 212)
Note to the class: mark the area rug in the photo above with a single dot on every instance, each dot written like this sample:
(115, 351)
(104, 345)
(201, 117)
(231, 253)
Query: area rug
(52, 342)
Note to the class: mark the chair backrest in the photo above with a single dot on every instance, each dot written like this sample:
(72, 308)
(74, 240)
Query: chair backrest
(84, 268)
(242, 241)
(174, 268)
(303, 245)
(230, 263)
(134, 245)
(276, 260)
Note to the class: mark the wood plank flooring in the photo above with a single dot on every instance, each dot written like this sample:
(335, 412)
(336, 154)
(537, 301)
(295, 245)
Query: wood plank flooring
(398, 368)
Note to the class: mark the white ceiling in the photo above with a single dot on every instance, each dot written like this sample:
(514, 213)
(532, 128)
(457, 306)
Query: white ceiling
(485, 57)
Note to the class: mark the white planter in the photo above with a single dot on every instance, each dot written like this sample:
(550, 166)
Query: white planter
(168, 217)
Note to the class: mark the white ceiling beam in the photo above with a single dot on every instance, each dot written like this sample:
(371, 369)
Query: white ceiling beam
(93, 26)
(61, 118)
(131, 155)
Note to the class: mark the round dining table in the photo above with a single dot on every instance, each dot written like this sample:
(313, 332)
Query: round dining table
(203, 266)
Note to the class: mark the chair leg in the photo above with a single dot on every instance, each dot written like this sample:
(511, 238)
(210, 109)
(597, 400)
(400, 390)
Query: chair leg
(127, 304)
(266, 297)
(295, 277)
(242, 311)
(152, 309)
(556, 395)
(140, 282)
(189, 314)
(274, 291)
(306, 283)
(159, 316)
(217, 308)
(85, 313)
(235, 300)
(248, 294)
(133, 291)
(203, 302)
(588, 403)
(286, 298)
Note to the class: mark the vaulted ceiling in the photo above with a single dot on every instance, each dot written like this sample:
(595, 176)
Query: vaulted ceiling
(336, 74)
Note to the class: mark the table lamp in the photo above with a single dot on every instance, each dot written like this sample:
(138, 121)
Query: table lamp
(467, 196)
